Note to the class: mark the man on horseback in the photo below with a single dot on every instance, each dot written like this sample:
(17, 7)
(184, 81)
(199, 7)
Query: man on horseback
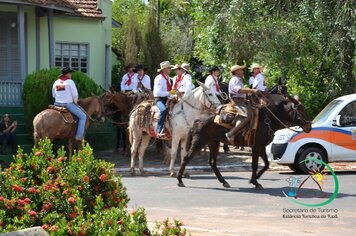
(142, 78)
(212, 81)
(182, 82)
(161, 91)
(237, 94)
(259, 79)
(129, 80)
(65, 94)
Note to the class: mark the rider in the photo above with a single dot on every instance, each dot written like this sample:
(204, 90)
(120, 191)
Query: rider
(161, 91)
(65, 94)
(142, 78)
(129, 80)
(237, 94)
(259, 79)
(182, 82)
(212, 81)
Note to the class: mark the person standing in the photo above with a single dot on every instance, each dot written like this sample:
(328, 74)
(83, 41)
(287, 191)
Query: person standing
(65, 94)
(237, 93)
(7, 134)
(161, 90)
(129, 80)
(182, 82)
(259, 79)
(142, 78)
(212, 81)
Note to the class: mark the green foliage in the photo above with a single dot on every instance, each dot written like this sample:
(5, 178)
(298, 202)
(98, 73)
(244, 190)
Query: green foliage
(152, 50)
(37, 90)
(132, 41)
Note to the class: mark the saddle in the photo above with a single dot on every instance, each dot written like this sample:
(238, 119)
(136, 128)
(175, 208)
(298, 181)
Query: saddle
(66, 115)
(225, 117)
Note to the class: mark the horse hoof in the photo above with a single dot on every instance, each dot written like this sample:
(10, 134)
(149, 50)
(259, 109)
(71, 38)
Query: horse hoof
(226, 185)
(259, 187)
(172, 174)
(143, 173)
(181, 185)
(132, 171)
(186, 175)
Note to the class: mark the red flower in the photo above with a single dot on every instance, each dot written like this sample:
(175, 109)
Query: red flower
(63, 184)
(86, 179)
(45, 227)
(27, 200)
(71, 200)
(120, 222)
(23, 179)
(53, 228)
(21, 202)
(50, 169)
(79, 158)
(103, 178)
(60, 159)
(47, 206)
(97, 188)
(80, 187)
(73, 215)
(2, 198)
(17, 188)
(38, 153)
(32, 213)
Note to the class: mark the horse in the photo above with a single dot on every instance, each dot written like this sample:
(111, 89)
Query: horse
(51, 124)
(182, 115)
(279, 112)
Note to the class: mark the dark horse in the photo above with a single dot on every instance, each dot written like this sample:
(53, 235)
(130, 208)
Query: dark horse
(205, 132)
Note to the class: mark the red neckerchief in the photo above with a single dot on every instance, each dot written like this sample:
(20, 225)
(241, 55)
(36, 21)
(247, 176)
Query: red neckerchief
(128, 82)
(63, 78)
(169, 86)
(216, 84)
(178, 81)
(141, 78)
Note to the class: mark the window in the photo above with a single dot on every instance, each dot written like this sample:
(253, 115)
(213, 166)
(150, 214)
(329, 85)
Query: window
(73, 55)
(348, 114)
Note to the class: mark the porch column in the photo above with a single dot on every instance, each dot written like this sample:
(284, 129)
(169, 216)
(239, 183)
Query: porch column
(22, 43)
(50, 38)
(38, 41)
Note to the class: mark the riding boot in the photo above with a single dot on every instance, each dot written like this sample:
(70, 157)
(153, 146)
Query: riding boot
(235, 130)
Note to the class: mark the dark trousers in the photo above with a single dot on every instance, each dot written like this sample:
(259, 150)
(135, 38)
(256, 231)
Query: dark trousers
(161, 104)
(8, 139)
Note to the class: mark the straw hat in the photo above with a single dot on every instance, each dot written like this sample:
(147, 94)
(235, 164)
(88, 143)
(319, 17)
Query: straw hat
(255, 66)
(236, 67)
(176, 66)
(186, 66)
(164, 65)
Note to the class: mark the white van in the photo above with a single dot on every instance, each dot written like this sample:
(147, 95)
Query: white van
(332, 138)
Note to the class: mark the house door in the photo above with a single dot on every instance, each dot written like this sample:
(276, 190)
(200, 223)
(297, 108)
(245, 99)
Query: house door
(10, 80)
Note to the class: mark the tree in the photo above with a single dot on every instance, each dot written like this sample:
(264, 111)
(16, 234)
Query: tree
(132, 41)
(152, 48)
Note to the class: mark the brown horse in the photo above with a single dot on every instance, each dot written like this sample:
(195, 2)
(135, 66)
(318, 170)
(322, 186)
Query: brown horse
(51, 124)
(279, 112)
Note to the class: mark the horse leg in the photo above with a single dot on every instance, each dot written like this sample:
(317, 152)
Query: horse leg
(253, 179)
(214, 151)
(193, 150)
(143, 146)
(136, 139)
(183, 152)
(266, 161)
(174, 150)
(70, 148)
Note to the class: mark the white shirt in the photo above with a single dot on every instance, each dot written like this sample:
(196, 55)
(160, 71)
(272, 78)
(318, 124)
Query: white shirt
(210, 83)
(132, 86)
(235, 85)
(160, 86)
(146, 81)
(186, 85)
(64, 91)
(259, 82)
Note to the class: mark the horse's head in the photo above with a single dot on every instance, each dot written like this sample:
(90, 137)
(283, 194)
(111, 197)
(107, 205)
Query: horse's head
(298, 115)
(207, 98)
(279, 88)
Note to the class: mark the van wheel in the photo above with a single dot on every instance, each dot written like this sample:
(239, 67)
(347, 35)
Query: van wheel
(294, 168)
(306, 165)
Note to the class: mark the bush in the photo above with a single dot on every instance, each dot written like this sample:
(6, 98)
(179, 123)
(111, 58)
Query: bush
(37, 90)
(80, 196)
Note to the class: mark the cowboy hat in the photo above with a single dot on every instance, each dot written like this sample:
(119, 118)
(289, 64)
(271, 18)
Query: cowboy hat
(65, 71)
(185, 66)
(236, 67)
(255, 66)
(164, 65)
(176, 66)
(140, 67)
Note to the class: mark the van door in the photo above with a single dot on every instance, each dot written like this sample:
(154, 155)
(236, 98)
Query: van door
(344, 136)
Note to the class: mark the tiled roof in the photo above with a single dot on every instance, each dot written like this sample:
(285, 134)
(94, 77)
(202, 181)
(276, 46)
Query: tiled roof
(86, 8)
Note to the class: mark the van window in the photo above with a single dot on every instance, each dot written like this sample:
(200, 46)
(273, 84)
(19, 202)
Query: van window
(324, 114)
(348, 115)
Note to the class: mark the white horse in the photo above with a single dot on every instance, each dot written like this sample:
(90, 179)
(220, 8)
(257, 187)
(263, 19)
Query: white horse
(182, 117)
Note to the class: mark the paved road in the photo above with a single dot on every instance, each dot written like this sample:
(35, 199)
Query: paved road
(206, 208)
